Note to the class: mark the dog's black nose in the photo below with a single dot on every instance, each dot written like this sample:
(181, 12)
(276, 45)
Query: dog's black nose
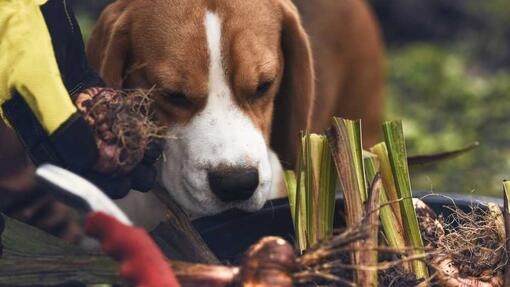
(234, 184)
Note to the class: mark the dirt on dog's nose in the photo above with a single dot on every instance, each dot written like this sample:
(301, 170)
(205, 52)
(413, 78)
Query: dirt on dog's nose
(234, 184)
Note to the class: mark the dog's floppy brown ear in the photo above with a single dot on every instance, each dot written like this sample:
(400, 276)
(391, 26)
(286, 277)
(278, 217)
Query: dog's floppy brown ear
(108, 45)
(294, 101)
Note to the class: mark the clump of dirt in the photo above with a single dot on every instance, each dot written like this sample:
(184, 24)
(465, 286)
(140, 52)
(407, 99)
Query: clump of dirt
(397, 277)
(124, 125)
(467, 248)
(473, 242)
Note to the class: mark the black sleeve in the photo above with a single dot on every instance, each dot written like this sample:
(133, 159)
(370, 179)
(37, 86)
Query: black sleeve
(68, 46)
(73, 145)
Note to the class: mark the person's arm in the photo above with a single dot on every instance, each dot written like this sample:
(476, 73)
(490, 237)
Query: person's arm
(38, 103)
(28, 68)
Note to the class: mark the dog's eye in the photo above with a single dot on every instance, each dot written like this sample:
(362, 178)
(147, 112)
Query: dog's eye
(263, 88)
(177, 99)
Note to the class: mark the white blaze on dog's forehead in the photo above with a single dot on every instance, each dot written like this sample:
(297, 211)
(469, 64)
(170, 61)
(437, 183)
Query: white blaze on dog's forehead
(227, 134)
(217, 82)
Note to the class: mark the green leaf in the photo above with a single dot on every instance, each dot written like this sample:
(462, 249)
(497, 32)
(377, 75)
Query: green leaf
(345, 142)
(506, 217)
(290, 184)
(312, 191)
(393, 231)
(327, 181)
(381, 151)
(300, 225)
(394, 138)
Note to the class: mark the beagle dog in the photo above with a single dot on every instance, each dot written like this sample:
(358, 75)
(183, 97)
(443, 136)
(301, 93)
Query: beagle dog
(235, 80)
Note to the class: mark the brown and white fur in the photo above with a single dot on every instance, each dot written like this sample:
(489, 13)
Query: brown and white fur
(235, 81)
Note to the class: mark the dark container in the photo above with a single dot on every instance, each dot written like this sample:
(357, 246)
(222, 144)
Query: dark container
(231, 233)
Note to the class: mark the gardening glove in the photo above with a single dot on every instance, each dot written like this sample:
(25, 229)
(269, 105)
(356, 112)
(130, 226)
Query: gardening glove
(36, 103)
(28, 66)
(128, 149)
(82, 81)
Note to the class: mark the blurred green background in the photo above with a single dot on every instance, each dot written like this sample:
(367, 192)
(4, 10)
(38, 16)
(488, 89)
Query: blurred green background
(449, 81)
(448, 70)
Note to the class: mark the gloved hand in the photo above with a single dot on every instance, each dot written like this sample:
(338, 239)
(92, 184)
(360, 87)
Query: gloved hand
(141, 178)
(42, 111)
(126, 137)
(28, 67)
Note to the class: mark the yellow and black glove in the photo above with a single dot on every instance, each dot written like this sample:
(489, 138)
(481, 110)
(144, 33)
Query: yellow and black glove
(42, 67)
(28, 67)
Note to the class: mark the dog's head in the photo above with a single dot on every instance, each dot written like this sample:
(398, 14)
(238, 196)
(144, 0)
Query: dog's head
(232, 78)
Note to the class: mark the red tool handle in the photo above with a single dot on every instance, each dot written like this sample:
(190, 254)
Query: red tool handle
(142, 262)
